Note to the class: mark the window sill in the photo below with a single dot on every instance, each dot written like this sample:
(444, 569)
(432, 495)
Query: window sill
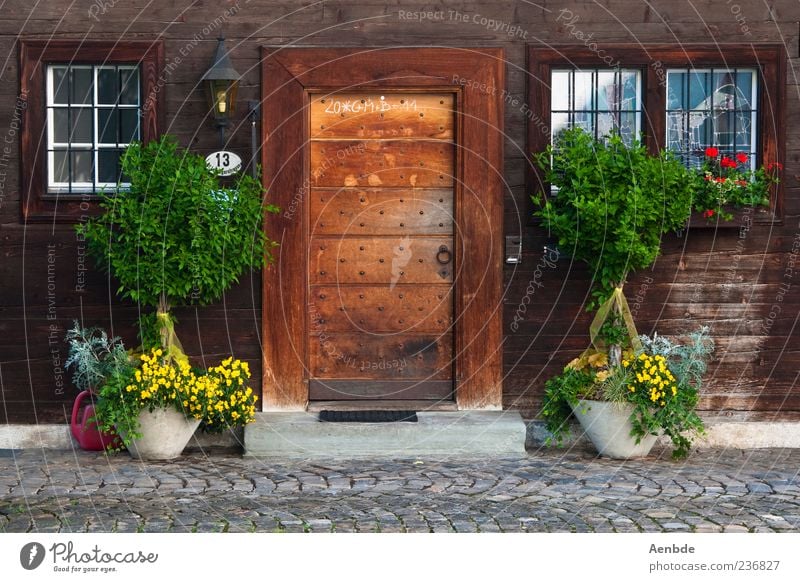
(742, 218)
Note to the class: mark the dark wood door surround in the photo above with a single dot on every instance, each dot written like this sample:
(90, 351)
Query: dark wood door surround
(387, 164)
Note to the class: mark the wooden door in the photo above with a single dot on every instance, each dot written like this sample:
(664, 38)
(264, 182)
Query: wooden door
(381, 268)
(448, 323)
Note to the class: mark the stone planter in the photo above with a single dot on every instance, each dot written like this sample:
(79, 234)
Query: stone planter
(608, 426)
(165, 433)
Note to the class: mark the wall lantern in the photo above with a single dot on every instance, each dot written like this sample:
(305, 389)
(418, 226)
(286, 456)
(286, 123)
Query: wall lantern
(221, 81)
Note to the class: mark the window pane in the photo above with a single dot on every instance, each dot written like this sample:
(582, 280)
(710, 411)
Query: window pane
(698, 90)
(60, 85)
(129, 125)
(585, 121)
(108, 165)
(701, 130)
(677, 135)
(607, 91)
(82, 166)
(676, 84)
(107, 85)
(129, 86)
(745, 82)
(60, 166)
(107, 126)
(630, 90)
(628, 127)
(81, 125)
(61, 125)
(559, 99)
(724, 90)
(584, 91)
(558, 123)
(606, 123)
(724, 130)
(82, 84)
(744, 125)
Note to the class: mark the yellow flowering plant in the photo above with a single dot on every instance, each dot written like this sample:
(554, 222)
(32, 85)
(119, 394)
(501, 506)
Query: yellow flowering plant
(661, 380)
(219, 397)
(234, 403)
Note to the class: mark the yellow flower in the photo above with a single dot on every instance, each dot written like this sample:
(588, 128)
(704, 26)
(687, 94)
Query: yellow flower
(602, 376)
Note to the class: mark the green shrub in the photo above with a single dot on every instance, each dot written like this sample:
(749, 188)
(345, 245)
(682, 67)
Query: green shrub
(177, 235)
(613, 205)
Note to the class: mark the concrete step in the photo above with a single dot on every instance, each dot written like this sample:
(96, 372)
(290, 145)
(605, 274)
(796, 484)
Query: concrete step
(300, 434)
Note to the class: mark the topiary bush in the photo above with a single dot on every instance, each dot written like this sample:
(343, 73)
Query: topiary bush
(177, 235)
(613, 205)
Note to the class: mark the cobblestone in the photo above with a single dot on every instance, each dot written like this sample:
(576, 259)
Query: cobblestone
(544, 491)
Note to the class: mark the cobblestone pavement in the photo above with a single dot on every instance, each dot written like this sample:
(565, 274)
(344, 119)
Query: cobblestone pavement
(731, 491)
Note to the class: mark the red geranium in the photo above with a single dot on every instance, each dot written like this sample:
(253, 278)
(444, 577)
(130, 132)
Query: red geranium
(708, 213)
(741, 158)
(773, 165)
(726, 162)
(742, 183)
(712, 152)
(719, 180)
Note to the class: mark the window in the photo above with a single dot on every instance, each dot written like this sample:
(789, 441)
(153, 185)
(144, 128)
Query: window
(712, 108)
(86, 101)
(684, 98)
(92, 114)
(597, 100)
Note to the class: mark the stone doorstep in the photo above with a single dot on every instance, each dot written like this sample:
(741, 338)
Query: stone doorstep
(300, 434)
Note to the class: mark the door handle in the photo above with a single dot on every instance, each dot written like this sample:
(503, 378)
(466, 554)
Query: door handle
(444, 255)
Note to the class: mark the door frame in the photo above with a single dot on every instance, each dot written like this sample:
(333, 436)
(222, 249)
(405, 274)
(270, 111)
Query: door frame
(477, 75)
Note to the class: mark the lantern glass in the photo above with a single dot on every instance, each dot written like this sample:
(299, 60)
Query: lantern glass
(222, 98)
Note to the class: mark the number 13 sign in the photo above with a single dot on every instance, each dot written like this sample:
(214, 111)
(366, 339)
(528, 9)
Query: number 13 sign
(227, 162)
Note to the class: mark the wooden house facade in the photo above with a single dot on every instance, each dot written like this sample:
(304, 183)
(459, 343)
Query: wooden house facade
(396, 136)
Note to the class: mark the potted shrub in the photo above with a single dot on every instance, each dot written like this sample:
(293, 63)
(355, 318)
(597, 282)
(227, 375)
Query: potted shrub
(624, 408)
(614, 202)
(177, 235)
(157, 404)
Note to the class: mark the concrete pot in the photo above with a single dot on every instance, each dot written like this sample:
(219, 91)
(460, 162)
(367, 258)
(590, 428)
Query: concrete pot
(165, 433)
(608, 426)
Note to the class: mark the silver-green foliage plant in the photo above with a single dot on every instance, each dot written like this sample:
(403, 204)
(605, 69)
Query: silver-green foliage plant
(689, 360)
(93, 356)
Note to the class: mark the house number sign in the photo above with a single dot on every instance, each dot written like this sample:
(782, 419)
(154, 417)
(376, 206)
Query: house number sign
(227, 162)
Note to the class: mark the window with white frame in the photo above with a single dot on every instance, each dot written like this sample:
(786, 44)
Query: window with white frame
(93, 114)
(597, 100)
(712, 107)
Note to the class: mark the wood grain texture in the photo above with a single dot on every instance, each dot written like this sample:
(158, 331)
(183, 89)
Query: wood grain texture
(383, 116)
(380, 356)
(376, 211)
(386, 260)
(423, 394)
(378, 309)
(378, 163)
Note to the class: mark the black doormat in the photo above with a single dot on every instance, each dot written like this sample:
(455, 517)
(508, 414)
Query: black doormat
(367, 416)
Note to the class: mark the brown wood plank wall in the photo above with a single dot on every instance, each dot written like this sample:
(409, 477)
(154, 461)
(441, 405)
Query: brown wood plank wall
(744, 282)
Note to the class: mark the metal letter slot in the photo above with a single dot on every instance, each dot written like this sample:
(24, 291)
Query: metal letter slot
(513, 250)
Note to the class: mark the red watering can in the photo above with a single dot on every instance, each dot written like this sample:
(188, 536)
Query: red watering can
(86, 432)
